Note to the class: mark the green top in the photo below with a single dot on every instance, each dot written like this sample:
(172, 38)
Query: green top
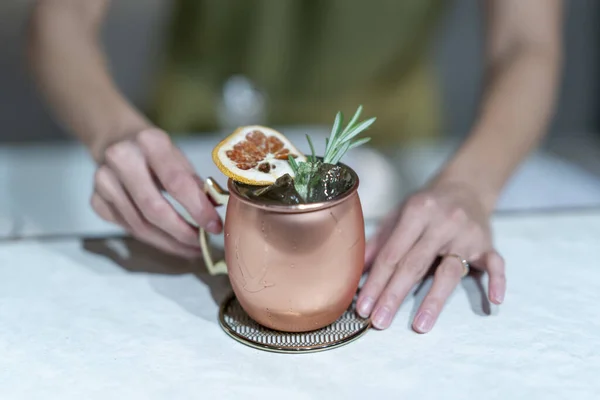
(310, 57)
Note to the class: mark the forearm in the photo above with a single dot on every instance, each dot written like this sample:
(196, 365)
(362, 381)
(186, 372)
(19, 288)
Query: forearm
(523, 57)
(516, 108)
(71, 71)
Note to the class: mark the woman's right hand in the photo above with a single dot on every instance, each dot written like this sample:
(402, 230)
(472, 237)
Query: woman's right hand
(127, 191)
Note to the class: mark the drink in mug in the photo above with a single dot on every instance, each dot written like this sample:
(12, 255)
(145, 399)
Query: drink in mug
(294, 227)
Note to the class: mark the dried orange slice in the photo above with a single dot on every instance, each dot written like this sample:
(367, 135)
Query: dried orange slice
(255, 155)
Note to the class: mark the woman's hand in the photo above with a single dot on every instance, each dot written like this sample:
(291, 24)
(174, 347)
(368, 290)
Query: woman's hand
(127, 192)
(446, 218)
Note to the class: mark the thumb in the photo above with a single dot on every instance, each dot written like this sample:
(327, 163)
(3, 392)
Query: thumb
(379, 239)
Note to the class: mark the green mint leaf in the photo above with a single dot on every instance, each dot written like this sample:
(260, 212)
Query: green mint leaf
(306, 178)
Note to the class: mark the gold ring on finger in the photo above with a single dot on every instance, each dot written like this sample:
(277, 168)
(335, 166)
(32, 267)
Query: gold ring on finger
(465, 264)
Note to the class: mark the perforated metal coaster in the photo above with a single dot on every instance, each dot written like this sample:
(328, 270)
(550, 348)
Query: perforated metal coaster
(241, 327)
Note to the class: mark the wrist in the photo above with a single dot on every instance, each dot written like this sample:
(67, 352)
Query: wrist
(484, 194)
(482, 164)
(477, 171)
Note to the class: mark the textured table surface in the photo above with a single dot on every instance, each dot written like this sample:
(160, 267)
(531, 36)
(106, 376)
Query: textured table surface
(103, 319)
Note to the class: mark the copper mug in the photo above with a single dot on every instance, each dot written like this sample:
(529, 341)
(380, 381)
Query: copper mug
(292, 268)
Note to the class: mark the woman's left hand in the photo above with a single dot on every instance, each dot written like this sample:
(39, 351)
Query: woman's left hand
(442, 220)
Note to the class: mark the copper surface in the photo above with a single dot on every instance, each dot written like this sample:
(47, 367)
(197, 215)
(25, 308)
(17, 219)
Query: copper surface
(294, 268)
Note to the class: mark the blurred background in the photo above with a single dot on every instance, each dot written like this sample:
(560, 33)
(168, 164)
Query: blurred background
(133, 38)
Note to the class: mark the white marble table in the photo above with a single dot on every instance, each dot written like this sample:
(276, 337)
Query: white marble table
(112, 319)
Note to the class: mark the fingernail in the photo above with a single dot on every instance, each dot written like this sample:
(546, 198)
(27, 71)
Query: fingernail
(498, 298)
(382, 318)
(214, 227)
(423, 321)
(365, 306)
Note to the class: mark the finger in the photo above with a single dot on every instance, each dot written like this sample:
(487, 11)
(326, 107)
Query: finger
(409, 271)
(414, 217)
(108, 213)
(160, 240)
(152, 236)
(108, 188)
(129, 164)
(155, 237)
(178, 179)
(418, 227)
(410, 226)
(375, 244)
(494, 265)
(101, 207)
(394, 248)
(472, 239)
(447, 276)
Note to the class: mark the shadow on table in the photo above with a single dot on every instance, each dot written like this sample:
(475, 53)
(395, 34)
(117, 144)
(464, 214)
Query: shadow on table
(136, 257)
(472, 285)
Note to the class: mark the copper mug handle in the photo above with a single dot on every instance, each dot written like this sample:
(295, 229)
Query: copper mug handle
(219, 197)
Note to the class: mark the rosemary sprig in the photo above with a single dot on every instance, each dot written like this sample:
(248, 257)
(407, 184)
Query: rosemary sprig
(340, 141)
(336, 146)
(293, 164)
(312, 149)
